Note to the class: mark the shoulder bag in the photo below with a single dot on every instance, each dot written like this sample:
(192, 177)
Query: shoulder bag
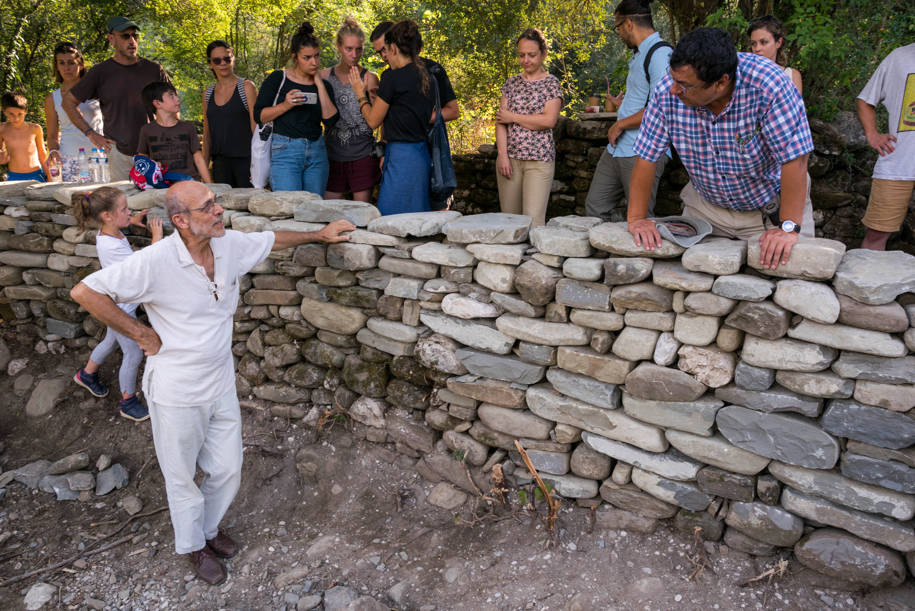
(260, 146)
(442, 179)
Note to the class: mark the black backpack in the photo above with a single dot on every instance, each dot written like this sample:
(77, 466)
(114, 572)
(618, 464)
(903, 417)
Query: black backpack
(658, 45)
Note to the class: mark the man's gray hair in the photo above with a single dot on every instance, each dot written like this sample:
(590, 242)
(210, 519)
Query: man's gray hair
(173, 203)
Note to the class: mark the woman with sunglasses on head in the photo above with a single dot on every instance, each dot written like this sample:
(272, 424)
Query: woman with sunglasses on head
(298, 101)
(405, 101)
(64, 138)
(349, 141)
(527, 114)
(228, 118)
(767, 38)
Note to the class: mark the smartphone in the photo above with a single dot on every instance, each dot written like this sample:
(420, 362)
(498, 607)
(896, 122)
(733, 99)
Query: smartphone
(308, 97)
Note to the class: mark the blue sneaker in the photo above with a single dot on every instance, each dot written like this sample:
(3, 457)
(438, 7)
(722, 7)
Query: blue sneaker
(132, 409)
(90, 382)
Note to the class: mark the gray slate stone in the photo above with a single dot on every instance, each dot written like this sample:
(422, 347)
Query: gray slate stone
(603, 321)
(113, 477)
(846, 492)
(561, 241)
(716, 256)
(674, 276)
(825, 384)
(709, 304)
(763, 319)
(542, 332)
(667, 464)
(488, 228)
(572, 486)
(743, 287)
(751, 377)
(584, 388)
(697, 417)
(786, 354)
(642, 296)
(604, 367)
(504, 368)
(790, 439)
(717, 451)
(359, 214)
(766, 523)
(626, 270)
(719, 482)
(889, 317)
(677, 493)
(615, 238)
(850, 559)
(613, 424)
(510, 254)
(417, 224)
(649, 381)
(47, 394)
(875, 277)
(843, 337)
(584, 295)
(472, 334)
(876, 368)
(577, 268)
(886, 473)
(775, 399)
(630, 498)
(811, 259)
(812, 300)
(873, 425)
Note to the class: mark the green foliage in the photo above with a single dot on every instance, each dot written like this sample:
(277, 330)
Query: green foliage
(836, 44)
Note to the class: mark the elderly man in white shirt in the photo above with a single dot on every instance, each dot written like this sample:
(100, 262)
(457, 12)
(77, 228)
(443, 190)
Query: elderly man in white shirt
(188, 284)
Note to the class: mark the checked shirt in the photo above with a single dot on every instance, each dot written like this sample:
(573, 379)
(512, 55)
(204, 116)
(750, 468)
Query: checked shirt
(734, 159)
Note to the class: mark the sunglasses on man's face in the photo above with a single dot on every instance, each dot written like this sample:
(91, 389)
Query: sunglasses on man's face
(220, 60)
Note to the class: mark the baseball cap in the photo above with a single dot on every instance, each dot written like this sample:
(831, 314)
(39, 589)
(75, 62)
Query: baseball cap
(119, 24)
(684, 231)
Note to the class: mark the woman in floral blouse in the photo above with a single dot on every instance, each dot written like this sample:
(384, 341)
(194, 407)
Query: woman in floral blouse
(524, 132)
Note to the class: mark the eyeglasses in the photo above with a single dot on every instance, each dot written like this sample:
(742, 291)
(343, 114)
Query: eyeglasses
(129, 35)
(221, 60)
(618, 24)
(205, 209)
(685, 88)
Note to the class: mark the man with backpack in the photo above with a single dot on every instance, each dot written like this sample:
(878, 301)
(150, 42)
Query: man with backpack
(649, 63)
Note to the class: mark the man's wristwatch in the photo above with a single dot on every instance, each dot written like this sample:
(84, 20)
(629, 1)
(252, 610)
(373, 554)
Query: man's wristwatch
(790, 227)
(88, 131)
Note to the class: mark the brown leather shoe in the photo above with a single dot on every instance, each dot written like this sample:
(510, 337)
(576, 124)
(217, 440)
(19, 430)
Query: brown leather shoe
(222, 545)
(207, 566)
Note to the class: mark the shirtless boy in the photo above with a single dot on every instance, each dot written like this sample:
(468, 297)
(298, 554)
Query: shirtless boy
(21, 143)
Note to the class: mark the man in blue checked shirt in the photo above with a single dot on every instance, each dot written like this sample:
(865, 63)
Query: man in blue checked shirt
(740, 128)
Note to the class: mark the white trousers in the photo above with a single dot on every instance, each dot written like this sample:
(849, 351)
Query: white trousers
(205, 435)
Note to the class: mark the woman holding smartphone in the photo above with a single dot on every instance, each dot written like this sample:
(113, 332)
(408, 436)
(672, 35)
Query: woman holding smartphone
(298, 158)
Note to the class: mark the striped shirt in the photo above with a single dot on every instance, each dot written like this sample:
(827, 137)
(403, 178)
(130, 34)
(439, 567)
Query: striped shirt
(733, 159)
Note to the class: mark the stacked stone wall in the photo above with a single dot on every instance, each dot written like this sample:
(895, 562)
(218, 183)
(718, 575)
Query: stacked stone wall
(770, 408)
(840, 169)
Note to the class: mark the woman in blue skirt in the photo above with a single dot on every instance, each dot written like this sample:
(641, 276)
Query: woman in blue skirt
(404, 105)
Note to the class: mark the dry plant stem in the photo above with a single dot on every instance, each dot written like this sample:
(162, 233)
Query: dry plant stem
(779, 570)
(63, 563)
(552, 504)
(470, 479)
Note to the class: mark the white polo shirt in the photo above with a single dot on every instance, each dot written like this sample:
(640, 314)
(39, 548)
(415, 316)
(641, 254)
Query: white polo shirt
(191, 314)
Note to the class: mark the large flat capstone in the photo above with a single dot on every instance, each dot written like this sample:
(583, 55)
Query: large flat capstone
(615, 238)
(875, 277)
(811, 259)
(848, 558)
(359, 214)
(417, 224)
(489, 228)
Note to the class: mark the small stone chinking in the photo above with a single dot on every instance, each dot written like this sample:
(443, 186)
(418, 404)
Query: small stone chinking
(770, 408)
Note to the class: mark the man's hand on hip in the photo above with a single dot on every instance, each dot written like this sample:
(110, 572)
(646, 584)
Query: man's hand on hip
(775, 247)
(149, 342)
(645, 233)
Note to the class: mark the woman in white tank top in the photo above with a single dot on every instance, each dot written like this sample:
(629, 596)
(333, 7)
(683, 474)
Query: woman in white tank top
(64, 139)
(767, 38)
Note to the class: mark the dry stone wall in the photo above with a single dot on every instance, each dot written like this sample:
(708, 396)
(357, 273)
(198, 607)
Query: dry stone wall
(770, 408)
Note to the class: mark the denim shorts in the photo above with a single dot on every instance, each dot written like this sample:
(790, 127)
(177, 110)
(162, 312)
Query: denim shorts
(298, 164)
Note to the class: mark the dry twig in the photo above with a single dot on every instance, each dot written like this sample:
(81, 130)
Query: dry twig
(553, 504)
(777, 571)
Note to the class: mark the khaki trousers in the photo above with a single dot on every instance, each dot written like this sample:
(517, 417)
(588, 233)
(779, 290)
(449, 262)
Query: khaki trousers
(528, 190)
(741, 224)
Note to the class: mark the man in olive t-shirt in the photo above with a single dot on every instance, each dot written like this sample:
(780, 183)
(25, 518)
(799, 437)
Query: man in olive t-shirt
(116, 83)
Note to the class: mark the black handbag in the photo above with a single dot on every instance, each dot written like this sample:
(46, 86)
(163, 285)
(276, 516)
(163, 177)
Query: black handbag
(442, 179)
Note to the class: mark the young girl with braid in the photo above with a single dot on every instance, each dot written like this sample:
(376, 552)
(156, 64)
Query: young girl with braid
(106, 208)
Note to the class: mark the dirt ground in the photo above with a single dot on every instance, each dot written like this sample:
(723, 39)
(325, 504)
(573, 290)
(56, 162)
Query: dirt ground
(362, 521)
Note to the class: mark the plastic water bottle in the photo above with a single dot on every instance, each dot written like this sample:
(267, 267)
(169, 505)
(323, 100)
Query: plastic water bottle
(104, 174)
(93, 166)
(84, 176)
